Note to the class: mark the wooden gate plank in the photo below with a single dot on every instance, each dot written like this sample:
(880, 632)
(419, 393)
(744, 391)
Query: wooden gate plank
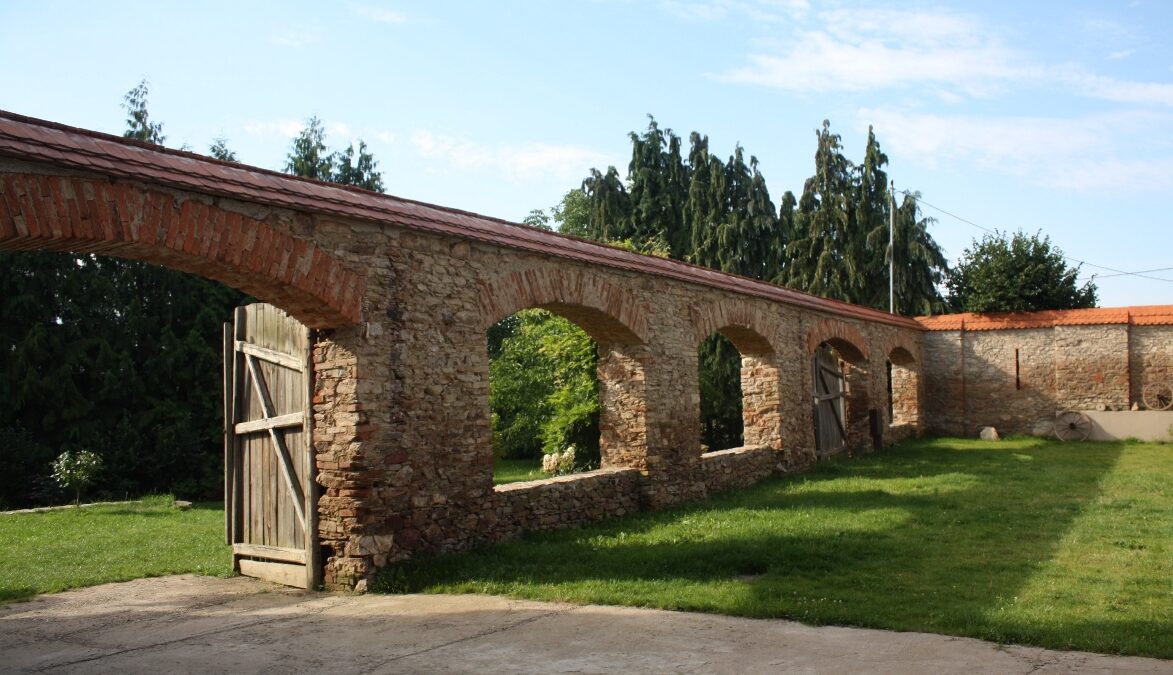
(280, 573)
(278, 439)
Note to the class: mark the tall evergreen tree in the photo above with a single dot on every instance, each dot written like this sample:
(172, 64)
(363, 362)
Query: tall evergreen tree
(138, 121)
(309, 158)
(825, 256)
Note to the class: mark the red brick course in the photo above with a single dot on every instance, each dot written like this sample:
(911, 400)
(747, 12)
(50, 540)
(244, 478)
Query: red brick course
(96, 215)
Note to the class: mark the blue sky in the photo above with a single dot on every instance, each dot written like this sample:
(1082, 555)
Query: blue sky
(1051, 116)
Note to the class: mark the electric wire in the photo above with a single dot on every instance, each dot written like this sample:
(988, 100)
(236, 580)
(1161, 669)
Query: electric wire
(1116, 273)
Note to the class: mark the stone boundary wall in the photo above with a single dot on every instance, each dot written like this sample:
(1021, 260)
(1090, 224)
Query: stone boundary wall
(1017, 379)
(563, 501)
(737, 467)
(401, 293)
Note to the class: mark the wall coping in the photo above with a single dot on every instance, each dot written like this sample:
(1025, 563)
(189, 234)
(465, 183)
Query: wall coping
(584, 477)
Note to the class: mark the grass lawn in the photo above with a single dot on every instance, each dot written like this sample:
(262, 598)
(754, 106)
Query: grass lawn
(1067, 546)
(514, 470)
(55, 550)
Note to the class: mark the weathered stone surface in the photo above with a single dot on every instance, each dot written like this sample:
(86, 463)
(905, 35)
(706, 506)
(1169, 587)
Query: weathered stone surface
(1017, 379)
(989, 434)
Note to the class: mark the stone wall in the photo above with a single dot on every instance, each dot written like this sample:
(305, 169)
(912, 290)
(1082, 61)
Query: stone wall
(1150, 358)
(430, 455)
(738, 467)
(1017, 379)
(401, 295)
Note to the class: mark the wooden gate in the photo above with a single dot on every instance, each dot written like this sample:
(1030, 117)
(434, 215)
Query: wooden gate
(830, 429)
(270, 495)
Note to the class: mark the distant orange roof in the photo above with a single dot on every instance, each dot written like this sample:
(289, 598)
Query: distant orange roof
(1149, 315)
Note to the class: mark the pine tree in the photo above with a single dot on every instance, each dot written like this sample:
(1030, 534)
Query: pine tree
(308, 156)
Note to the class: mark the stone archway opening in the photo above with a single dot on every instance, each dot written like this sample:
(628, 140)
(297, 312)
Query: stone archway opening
(738, 383)
(565, 393)
(114, 356)
(842, 413)
(903, 390)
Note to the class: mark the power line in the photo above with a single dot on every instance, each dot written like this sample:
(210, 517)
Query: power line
(1117, 273)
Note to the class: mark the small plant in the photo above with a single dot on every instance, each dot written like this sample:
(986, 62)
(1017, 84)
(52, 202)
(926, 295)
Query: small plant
(75, 469)
(560, 463)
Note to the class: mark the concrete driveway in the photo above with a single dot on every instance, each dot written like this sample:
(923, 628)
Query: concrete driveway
(190, 624)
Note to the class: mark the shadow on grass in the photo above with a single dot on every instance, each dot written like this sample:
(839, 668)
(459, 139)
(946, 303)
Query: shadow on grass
(16, 594)
(931, 536)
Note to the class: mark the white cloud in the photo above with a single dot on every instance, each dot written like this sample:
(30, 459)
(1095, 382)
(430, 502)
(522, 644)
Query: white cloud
(384, 136)
(520, 163)
(1093, 152)
(943, 53)
(1120, 55)
(286, 128)
(1119, 91)
(380, 14)
(864, 50)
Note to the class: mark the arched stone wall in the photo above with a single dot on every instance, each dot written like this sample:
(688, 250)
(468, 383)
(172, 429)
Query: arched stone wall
(204, 236)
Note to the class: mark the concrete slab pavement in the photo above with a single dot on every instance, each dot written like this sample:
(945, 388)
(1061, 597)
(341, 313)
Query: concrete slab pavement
(189, 624)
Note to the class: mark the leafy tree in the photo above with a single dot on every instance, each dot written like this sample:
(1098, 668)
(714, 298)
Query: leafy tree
(1019, 273)
(219, 150)
(138, 121)
(116, 355)
(919, 262)
(309, 158)
(572, 214)
(720, 387)
(358, 169)
(826, 253)
(74, 470)
(542, 387)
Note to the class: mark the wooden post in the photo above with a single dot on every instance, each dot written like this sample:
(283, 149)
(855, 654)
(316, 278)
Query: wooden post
(229, 356)
(237, 515)
(313, 556)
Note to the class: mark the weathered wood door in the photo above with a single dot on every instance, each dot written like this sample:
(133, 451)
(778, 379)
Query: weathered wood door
(269, 490)
(830, 429)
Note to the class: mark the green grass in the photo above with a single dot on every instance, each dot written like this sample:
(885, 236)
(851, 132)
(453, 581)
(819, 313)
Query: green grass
(55, 550)
(1025, 541)
(514, 470)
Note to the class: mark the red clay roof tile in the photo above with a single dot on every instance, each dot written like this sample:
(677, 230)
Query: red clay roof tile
(1148, 315)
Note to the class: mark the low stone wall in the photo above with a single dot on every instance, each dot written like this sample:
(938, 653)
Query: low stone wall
(898, 433)
(564, 501)
(737, 467)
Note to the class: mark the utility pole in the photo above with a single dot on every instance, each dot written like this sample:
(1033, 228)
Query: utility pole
(892, 248)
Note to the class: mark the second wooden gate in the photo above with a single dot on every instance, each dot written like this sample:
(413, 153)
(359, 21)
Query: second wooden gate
(829, 409)
(269, 488)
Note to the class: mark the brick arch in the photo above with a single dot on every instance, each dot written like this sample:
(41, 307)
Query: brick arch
(744, 325)
(844, 337)
(901, 356)
(607, 313)
(40, 212)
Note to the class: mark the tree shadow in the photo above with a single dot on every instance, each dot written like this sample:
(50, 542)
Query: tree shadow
(920, 538)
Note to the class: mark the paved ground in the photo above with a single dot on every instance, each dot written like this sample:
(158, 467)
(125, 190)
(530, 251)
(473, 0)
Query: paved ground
(190, 624)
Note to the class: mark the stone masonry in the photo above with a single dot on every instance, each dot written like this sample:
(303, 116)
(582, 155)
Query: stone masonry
(1015, 372)
(401, 295)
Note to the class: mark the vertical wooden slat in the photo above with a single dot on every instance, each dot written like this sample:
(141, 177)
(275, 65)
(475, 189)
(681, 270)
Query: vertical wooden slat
(237, 489)
(229, 355)
(313, 551)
